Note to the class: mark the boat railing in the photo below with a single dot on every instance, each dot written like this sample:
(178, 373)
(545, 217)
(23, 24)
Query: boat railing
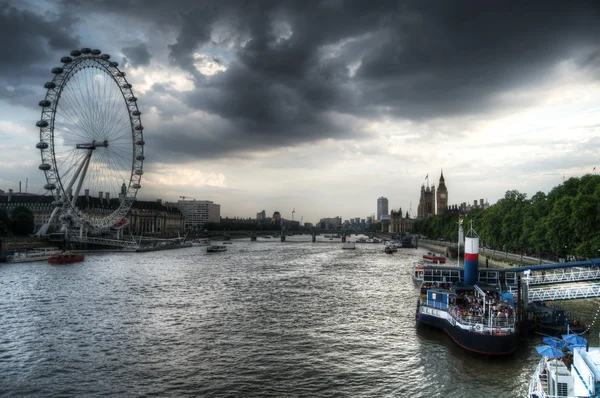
(482, 324)
(478, 320)
(440, 305)
(538, 386)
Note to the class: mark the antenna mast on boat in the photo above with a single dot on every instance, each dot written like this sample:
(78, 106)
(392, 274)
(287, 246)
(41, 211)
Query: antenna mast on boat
(472, 233)
(460, 220)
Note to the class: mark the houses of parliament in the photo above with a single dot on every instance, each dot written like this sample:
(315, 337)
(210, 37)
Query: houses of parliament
(433, 202)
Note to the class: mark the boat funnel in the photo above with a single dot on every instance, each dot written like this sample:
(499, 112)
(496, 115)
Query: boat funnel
(471, 260)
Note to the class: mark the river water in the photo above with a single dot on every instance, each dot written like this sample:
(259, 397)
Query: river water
(264, 319)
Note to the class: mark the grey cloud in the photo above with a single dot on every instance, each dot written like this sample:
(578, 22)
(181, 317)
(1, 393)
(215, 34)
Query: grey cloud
(31, 45)
(137, 55)
(409, 60)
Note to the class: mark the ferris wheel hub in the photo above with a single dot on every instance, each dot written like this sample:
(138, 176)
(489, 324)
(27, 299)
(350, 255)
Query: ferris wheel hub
(93, 145)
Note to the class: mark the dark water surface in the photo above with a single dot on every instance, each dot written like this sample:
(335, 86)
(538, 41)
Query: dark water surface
(263, 319)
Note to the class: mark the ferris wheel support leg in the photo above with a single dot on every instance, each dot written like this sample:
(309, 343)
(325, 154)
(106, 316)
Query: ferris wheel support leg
(44, 229)
(85, 165)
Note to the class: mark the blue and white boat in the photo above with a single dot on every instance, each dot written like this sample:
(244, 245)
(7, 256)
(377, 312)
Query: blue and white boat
(478, 315)
(572, 371)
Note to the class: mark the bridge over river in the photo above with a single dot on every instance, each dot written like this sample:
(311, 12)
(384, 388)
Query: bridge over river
(562, 281)
(547, 282)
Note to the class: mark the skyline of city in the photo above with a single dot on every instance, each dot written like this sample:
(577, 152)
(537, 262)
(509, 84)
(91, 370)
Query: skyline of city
(286, 114)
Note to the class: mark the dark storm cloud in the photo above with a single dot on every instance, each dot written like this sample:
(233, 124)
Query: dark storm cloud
(413, 60)
(293, 67)
(137, 55)
(31, 44)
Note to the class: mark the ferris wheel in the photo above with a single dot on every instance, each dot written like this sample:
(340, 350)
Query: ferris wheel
(91, 138)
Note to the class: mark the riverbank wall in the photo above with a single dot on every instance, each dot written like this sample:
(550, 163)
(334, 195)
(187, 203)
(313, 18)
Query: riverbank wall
(487, 258)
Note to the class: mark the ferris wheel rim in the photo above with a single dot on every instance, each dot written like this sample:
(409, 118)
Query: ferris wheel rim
(80, 61)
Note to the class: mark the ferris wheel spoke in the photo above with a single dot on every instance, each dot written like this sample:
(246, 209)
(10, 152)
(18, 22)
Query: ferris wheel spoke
(80, 104)
(114, 165)
(121, 134)
(119, 124)
(68, 108)
(90, 101)
(68, 134)
(114, 162)
(119, 163)
(74, 112)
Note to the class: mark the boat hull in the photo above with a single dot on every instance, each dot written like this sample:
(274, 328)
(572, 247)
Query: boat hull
(473, 341)
(66, 260)
(435, 260)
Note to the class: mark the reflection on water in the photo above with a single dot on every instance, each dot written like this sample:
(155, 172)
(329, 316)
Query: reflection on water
(262, 319)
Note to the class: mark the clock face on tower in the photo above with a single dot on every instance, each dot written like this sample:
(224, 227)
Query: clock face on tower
(443, 196)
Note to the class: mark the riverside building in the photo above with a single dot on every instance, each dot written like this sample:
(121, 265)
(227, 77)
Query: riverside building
(382, 207)
(196, 213)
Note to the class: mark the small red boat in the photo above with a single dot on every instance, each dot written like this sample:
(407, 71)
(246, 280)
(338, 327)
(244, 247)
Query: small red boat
(434, 258)
(66, 258)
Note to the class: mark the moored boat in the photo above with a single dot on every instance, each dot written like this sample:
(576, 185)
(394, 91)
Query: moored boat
(216, 248)
(551, 319)
(389, 250)
(349, 245)
(201, 242)
(434, 258)
(486, 328)
(31, 255)
(477, 316)
(569, 368)
(66, 258)
(418, 272)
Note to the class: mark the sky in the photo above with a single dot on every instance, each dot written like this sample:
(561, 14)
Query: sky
(323, 106)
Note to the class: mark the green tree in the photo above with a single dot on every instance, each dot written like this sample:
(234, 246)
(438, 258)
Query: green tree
(22, 220)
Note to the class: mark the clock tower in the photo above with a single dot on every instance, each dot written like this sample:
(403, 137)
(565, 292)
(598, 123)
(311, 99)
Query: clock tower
(442, 196)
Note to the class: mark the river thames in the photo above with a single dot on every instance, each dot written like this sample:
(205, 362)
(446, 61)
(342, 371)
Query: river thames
(263, 319)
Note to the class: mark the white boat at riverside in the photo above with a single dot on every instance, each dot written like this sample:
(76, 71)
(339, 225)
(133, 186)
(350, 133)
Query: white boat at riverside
(201, 242)
(216, 248)
(575, 374)
(418, 272)
(31, 255)
(365, 240)
(392, 246)
(349, 245)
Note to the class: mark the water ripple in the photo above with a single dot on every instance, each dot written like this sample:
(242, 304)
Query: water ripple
(264, 319)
